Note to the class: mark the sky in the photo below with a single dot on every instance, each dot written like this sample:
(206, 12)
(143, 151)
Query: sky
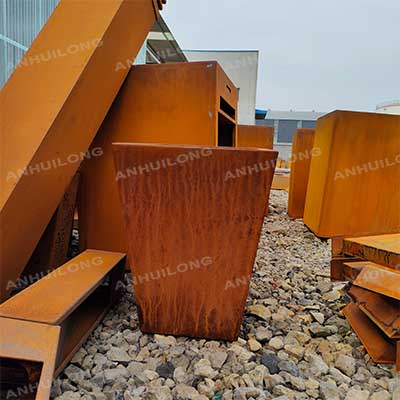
(317, 55)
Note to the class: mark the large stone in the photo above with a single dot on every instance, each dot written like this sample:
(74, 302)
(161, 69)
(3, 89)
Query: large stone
(346, 364)
(185, 392)
(271, 361)
(357, 394)
(203, 368)
(118, 355)
(260, 311)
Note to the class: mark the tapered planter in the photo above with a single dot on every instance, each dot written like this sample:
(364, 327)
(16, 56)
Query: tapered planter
(193, 217)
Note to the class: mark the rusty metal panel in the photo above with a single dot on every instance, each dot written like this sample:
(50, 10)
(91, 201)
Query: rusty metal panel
(28, 352)
(353, 185)
(382, 249)
(382, 310)
(192, 247)
(379, 280)
(255, 136)
(169, 103)
(381, 349)
(52, 107)
(52, 249)
(302, 151)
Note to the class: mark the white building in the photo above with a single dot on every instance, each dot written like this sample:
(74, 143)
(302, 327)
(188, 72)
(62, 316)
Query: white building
(285, 124)
(389, 107)
(242, 69)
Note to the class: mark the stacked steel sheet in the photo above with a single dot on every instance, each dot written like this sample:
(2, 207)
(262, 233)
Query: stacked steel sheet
(374, 310)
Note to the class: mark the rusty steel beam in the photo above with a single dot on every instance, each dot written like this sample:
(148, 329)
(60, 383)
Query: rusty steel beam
(255, 136)
(382, 249)
(28, 352)
(379, 280)
(75, 297)
(353, 186)
(302, 152)
(51, 108)
(193, 245)
(382, 310)
(381, 349)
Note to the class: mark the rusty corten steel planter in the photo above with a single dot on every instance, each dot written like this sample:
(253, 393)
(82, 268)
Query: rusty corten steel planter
(51, 108)
(181, 103)
(193, 217)
(74, 298)
(353, 186)
(302, 152)
(255, 136)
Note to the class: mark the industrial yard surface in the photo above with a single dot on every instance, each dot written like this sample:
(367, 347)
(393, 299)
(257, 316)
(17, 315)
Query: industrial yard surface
(294, 342)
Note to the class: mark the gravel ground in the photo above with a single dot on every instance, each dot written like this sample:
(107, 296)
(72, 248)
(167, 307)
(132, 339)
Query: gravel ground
(294, 343)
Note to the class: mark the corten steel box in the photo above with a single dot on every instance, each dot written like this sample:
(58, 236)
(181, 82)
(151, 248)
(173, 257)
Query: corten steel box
(302, 152)
(183, 103)
(353, 186)
(51, 108)
(193, 227)
(255, 136)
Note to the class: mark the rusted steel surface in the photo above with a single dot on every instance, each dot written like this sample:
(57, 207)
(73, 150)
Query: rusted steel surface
(281, 182)
(382, 249)
(379, 280)
(345, 268)
(353, 185)
(302, 150)
(381, 349)
(28, 352)
(179, 103)
(382, 310)
(337, 246)
(57, 82)
(193, 245)
(52, 249)
(255, 136)
(75, 297)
